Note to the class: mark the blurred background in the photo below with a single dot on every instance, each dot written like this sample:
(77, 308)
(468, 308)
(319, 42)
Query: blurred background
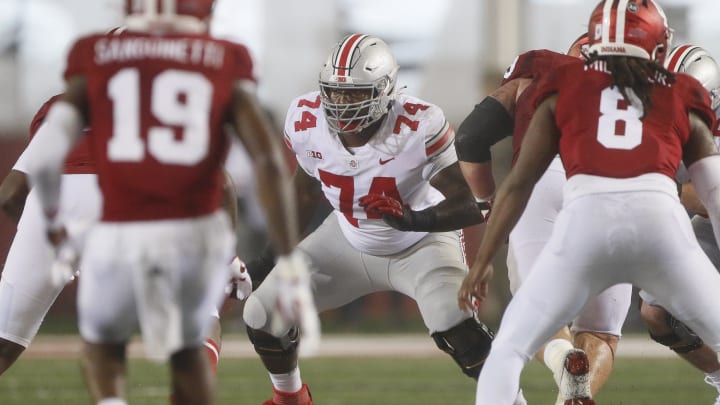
(451, 52)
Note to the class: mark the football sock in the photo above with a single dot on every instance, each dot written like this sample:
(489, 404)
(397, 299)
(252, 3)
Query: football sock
(554, 354)
(713, 379)
(287, 382)
(112, 401)
(212, 349)
(213, 353)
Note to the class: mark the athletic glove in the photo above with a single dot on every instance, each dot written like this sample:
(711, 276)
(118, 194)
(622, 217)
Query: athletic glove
(64, 267)
(396, 215)
(295, 304)
(240, 285)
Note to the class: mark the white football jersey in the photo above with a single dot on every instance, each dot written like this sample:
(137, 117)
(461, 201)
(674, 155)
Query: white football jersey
(413, 143)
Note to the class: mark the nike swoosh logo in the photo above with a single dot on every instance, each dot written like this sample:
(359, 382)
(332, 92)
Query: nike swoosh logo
(382, 162)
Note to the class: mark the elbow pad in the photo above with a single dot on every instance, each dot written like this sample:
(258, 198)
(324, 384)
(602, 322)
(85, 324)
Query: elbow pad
(704, 174)
(488, 123)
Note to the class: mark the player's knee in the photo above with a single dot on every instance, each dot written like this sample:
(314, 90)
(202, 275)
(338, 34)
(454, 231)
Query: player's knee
(468, 343)
(254, 314)
(279, 355)
(681, 339)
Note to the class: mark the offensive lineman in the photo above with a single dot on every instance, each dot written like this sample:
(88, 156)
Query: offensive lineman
(385, 162)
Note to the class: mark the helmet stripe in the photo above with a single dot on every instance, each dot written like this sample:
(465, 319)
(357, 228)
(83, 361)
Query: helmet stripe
(606, 22)
(678, 57)
(344, 55)
(620, 13)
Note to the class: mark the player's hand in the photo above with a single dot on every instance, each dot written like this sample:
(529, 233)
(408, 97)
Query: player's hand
(64, 267)
(394, 213)
(295, 304)
(474, 289)
(240, 285)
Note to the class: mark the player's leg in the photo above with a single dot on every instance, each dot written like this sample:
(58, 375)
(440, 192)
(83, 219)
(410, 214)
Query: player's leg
(195, 263)
(26, 289)
(430, 272)
(338, 277)
(106, 314)
(597, 330)
(668, 331)
(543, 305)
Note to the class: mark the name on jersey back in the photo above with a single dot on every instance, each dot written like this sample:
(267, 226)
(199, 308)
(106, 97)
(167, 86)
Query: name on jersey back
(187, 51)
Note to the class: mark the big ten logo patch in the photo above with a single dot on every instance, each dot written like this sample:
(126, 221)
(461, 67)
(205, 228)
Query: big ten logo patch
(314, 154)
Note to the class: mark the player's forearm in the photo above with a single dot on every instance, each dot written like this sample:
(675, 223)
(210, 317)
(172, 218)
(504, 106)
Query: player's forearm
(479, 177)
(454, 213)
(509, 205)
(46, 153)
(276, 196)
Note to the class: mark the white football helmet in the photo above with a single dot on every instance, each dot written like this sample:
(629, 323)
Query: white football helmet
(179, 15)
(360, 63)
(698, 63)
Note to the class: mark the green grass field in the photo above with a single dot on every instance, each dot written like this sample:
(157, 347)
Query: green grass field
(356, 381)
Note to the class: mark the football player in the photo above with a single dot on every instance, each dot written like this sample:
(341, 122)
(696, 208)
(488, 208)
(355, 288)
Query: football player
(385, 162)
(157, 97)
(662, 326)
(507, 111)
(621, 123)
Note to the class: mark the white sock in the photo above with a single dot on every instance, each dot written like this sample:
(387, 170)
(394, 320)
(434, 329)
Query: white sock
(554, 354)
(289, 382)
(112, 401)
(713, 379)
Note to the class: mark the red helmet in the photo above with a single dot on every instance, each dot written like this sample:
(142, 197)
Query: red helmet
(635, 28)
(187, 15)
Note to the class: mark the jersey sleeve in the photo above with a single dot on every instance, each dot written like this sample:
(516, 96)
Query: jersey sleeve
(439, 141)
(523, 66)
(79, 58)
(548, 85)
(295, 126)
(242, 62)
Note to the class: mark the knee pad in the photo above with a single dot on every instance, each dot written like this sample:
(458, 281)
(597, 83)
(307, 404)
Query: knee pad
(254, 314)
(468, 343)
(269, 346)
(681, 340)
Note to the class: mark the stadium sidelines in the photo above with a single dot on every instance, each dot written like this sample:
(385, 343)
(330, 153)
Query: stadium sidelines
(336, 345)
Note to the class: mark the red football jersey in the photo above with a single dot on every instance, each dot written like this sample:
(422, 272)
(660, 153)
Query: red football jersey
(530, 65)
(78, 161)
(603, 135)
(157, 107)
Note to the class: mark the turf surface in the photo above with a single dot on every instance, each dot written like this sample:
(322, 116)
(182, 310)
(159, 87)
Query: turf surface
(355, 381)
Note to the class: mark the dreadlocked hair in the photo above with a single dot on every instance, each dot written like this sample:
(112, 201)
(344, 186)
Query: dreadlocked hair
(636, 74)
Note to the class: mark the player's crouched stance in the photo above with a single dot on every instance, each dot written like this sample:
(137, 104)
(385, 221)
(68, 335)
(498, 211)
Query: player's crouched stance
(386, 164)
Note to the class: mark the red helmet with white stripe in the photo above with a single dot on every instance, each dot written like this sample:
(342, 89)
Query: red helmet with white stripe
(181, 15)
(698, 63)
(636, 28)
(362, 64)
